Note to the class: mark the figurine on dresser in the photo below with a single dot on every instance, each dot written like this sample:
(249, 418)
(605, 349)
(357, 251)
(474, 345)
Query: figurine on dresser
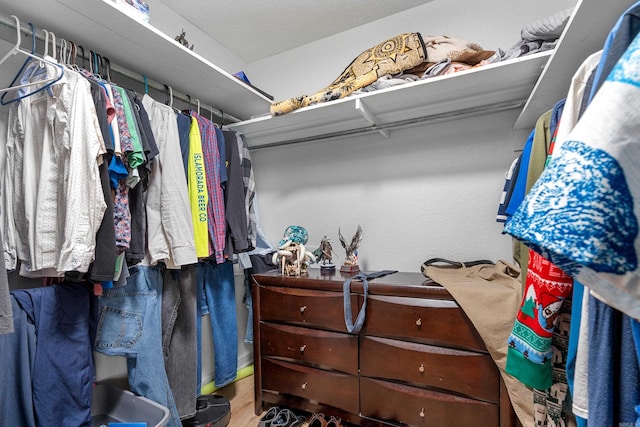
(350, 264)
(291, 255)
(324, 255)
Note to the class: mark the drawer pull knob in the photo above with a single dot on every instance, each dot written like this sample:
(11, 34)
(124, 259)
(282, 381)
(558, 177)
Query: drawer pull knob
(419, 322)
(302, 348)
(304, 386)
(421, 368)
(303, 308)
(422, 413)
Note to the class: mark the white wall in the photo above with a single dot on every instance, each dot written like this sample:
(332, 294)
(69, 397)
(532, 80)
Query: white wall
(427, 191)
(492, 24)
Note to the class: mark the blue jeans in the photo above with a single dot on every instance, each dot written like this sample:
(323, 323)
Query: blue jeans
(217, 297)
(130, 325)
(17, 353)
(63, 369)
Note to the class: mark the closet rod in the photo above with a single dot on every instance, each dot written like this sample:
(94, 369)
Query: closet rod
(125, 72)
(430, 119)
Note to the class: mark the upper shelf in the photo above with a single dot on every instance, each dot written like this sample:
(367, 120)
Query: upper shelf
(500, 85)
(99, 25)
(585, 33)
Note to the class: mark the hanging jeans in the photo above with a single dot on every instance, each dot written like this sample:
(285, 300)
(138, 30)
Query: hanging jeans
(17, 353)
(217, 298)
(179, 337)
(50, 357)
(130, 326)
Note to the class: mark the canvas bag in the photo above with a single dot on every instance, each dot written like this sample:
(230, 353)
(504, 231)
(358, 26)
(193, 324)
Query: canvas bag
(490, 295)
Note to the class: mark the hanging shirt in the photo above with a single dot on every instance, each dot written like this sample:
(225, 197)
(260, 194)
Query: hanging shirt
(582, 212)
(198, 195)
(169, 224)
(54, 147)
(215, 207)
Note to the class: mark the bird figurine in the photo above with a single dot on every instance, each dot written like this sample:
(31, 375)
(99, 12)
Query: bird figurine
(351, 250)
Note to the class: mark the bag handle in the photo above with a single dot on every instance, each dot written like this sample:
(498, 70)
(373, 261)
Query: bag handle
(354, 328)
(453, 264)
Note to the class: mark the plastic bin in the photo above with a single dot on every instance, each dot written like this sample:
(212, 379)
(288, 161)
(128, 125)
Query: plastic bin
(113, 405)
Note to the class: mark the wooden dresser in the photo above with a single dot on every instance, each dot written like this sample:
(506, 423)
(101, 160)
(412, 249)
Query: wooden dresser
(417, 361)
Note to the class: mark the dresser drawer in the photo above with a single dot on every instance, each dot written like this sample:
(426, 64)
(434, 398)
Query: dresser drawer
(438, 322)
(418, 407)
(326, 387)
(320, 309)
(463, 372)
(326, 349)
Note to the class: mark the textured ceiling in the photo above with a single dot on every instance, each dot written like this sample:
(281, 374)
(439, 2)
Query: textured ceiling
(256, 29)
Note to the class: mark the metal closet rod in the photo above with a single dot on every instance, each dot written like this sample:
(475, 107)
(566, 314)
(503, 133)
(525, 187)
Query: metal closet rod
(125, 72)
(399, 124)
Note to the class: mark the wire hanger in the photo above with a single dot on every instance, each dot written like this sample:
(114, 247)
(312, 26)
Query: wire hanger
(42, 84)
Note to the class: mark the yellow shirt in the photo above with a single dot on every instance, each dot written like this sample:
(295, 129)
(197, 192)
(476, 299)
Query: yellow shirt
(198, 195)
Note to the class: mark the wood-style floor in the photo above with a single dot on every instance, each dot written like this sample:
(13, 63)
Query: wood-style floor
(240, 395)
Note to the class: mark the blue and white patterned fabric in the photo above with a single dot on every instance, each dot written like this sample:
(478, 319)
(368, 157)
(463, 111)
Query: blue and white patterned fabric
(582, 214)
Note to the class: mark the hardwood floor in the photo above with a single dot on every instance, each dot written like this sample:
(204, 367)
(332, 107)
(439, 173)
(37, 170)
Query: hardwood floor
(240, 395)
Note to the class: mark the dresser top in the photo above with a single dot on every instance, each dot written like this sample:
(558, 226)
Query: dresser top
(395, 284)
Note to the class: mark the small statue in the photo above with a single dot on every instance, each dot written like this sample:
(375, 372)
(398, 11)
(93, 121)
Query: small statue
(351, 259)
(324, 254)
(291, 255)
(293, 258)
(182, 39)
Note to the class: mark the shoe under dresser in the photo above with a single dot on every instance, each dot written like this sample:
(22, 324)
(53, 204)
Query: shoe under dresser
(417, 361)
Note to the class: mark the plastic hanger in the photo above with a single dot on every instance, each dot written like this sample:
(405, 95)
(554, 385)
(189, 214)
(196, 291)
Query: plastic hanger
(107, 68)
(63, 51)
(42, 84)
(168, 96)
(84, 59)
(71, 59)
(33, 50)
(54, 45)
(198, 106)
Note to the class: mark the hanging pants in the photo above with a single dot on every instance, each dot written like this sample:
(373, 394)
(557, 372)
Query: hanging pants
(49, 359)
(130, 326)
(179, 337)
(217, 298)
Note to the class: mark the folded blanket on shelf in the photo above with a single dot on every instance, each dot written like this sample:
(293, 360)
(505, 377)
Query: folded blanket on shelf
(389, 57)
